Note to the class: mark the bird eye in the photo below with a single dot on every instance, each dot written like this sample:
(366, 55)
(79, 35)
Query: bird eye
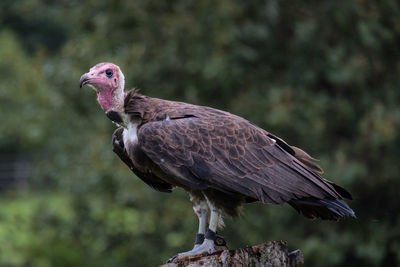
(109, 73)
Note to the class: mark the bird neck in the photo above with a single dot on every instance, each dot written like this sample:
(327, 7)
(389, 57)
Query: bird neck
(111, 99)
(117, 99)
(105, 99)
(118, 95)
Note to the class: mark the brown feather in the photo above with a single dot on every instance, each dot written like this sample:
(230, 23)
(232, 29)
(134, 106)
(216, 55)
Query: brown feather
(201, 148)
(149, 178)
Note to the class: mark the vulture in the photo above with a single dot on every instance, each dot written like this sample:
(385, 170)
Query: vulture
(220, 159)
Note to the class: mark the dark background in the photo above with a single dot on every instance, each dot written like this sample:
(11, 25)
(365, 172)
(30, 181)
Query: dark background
(323, 75)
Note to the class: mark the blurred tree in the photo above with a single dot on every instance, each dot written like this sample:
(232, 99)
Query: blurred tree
(323, 75)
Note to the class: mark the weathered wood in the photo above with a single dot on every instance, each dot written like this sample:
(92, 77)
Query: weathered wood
(269, 254)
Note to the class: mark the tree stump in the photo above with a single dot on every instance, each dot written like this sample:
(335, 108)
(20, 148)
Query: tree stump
(274, 253)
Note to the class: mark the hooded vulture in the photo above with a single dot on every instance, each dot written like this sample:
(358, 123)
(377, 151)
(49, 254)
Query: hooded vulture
(220, 159)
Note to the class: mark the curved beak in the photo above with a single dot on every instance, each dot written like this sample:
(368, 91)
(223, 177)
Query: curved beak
(84, 80)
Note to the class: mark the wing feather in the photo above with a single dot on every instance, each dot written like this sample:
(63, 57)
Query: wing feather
(150, 179)
(228, 153)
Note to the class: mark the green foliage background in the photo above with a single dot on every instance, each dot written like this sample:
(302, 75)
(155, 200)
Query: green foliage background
(323, 75)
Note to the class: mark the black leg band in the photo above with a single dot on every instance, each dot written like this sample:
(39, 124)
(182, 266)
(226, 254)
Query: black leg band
(199, 239)
(210, 234)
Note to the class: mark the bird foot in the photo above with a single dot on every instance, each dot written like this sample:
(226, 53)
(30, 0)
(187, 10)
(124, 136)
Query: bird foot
(207, 247)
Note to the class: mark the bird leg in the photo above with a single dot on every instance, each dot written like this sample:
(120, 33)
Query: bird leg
(201, 234)
(209, 237)
(212, 239)
(211, 234)
(202, 213)
(200, 207)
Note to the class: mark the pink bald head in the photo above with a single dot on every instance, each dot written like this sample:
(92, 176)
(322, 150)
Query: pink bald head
(105, 78)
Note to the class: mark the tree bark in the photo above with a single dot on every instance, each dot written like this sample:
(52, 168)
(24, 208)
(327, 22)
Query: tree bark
(274, 253)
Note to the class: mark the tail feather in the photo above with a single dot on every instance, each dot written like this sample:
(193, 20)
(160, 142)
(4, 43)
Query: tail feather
(327, 209)
(342, 192)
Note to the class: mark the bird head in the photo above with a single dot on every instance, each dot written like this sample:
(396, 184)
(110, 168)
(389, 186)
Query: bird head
(108, 81)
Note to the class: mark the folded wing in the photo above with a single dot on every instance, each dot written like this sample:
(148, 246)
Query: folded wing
(149, 178)
(227, 153)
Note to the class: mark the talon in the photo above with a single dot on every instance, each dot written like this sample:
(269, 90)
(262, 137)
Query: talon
(206, 247)
(172, 258)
